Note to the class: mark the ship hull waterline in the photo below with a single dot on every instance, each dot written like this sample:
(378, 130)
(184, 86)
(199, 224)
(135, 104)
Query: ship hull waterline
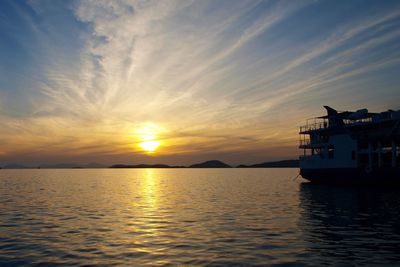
(381, 176)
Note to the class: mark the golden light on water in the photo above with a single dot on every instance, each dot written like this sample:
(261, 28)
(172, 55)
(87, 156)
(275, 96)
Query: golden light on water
(148, 137)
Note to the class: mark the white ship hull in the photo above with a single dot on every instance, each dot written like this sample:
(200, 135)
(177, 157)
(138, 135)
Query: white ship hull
(352, 147)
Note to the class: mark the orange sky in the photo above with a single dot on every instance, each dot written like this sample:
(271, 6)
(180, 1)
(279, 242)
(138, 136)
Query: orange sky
(179, 82)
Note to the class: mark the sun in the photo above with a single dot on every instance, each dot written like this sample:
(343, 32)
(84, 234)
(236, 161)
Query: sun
(147, 137)
(149, 146)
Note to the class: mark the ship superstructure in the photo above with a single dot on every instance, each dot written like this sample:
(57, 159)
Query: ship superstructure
(351, 147)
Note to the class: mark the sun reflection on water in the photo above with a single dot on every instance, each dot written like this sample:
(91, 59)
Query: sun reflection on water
(148, 189)
(146, 226)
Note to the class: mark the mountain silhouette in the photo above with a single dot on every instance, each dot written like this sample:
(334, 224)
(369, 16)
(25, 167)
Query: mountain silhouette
(210, 164)
(291, 163)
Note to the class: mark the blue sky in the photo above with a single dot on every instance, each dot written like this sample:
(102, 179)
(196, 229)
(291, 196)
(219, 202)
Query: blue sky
(80, 80)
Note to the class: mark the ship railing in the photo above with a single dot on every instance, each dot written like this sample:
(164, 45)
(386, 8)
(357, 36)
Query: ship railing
(315, 142)
(317, 124)
(305, 142)
(314, 126)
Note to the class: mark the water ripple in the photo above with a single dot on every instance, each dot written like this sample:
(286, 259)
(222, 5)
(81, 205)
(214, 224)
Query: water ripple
(245, 217)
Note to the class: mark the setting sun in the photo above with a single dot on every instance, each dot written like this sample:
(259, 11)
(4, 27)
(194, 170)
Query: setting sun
(150, 146)
(148, 137)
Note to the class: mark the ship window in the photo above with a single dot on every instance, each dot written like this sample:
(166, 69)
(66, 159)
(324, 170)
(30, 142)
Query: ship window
(353, 155)
(331, 151)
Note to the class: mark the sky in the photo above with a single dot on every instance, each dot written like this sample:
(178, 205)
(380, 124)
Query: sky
(179, 82)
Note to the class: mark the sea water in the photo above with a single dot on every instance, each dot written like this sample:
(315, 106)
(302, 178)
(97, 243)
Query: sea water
(215, 217)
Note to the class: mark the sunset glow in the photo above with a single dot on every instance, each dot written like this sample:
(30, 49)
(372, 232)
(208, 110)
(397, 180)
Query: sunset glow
(150, 146)
(148, 137)
(115, 81)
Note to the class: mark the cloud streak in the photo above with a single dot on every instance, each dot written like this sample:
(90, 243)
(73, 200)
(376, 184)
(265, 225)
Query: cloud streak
(229, 77)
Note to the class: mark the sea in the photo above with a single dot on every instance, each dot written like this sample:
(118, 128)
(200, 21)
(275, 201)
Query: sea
(193, 217)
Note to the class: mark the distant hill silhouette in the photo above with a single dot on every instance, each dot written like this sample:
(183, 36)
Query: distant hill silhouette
(55, 166)
(94, 165)
(60, 166)
(144, 166)
(15, 166)
(291, 163)
(210, 164)
(207, 164)
(72, 166)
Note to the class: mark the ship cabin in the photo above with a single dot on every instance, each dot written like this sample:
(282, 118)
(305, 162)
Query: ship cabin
(359, 139)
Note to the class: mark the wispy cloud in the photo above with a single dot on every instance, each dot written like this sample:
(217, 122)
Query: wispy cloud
(226, 76)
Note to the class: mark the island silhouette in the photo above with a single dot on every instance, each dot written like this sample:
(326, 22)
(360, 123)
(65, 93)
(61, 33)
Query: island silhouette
(293, 163)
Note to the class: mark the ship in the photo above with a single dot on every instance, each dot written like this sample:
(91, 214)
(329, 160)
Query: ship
(351, 147)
